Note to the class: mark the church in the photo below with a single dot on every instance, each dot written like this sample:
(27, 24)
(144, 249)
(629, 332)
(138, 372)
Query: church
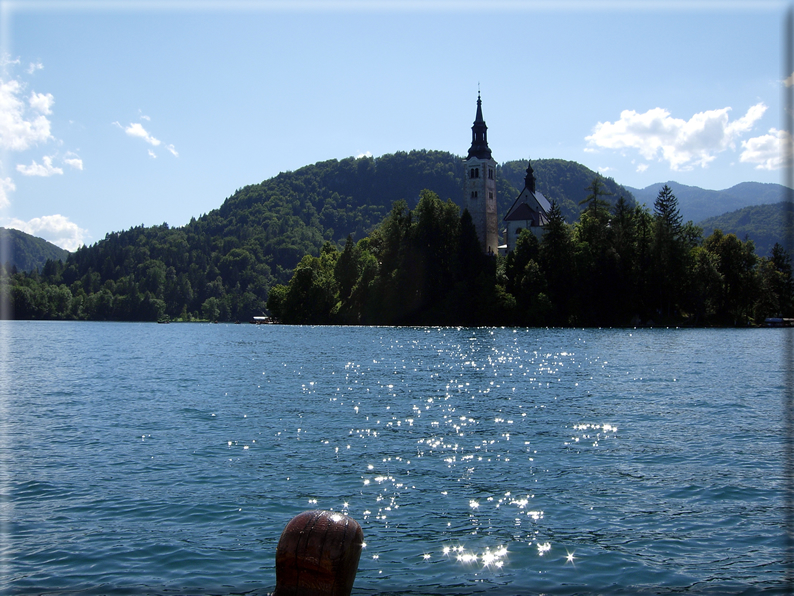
(529, 210)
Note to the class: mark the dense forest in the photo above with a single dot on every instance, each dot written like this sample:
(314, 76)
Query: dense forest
(620, 264)
(28, 252)
(222, 265)
(765, 224)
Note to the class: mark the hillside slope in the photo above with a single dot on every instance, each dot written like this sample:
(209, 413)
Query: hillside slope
(763, 224)
(27, 252)
(697, 204)
(222, 264)
(559, 180)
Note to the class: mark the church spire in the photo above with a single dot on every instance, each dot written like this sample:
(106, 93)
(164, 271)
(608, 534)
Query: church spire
(479, 135)
(529, 181)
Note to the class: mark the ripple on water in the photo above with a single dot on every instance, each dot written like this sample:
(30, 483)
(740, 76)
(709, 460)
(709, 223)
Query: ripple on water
(476, 460)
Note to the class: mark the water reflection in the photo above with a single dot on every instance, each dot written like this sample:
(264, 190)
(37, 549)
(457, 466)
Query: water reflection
(461, 414)
(471, 457)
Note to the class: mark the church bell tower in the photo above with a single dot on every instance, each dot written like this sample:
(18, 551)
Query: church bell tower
(479, 187)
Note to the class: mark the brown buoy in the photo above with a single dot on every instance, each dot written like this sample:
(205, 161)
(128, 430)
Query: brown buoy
(318, 555)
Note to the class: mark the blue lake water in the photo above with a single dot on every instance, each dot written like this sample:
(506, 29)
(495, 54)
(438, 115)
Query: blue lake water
(167, 459)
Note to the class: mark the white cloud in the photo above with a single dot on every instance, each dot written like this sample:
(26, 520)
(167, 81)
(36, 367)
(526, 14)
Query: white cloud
(789, 81)
(771, 151)
(642, 167)
(18, 130)
(54, 228)
(137, 130)
(6, 185)
(5, 60)
(73, 160)
(365, 154)
(46, 169)
(34, 66)
(41, 102)
(683, 144)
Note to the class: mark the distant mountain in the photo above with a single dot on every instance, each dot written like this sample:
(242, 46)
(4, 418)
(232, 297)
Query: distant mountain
(28, 252)
(697, 204)
(763, 224)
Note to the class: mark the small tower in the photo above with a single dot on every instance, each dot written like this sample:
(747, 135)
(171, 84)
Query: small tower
(479, 188)
(530, 211)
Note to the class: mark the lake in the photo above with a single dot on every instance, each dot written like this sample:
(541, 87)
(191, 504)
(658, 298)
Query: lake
(167, 459)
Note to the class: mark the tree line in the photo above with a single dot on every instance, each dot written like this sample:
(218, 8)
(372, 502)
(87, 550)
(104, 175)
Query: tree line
(222, 265)
(620, 264)
(145, 274)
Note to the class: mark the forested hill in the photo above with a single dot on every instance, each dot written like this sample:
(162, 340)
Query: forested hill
(559, 180)
(294, 213)
(222, 264)
(351, 196)
(699, 204)
(26, 252)
(763, 224)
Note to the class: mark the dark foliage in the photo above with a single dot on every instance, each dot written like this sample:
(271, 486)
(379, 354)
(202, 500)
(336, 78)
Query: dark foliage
(26, 253)
(419, 267)
(565, 182)
(624, 267)
(222, 265)
(359, 241)
(764, 224)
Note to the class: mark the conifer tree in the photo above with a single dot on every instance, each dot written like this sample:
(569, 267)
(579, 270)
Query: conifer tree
(669, 252)
(558, 265)
(597, 189)
(665, 208)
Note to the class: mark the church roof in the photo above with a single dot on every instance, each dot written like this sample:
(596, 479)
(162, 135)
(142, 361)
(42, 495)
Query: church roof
(522, 212)
(530, 204)
(479, 136)
(543, 201)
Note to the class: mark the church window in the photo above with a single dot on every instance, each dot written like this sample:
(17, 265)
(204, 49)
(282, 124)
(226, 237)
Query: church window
(474, 194)
(475, 172)
(490, 195)
(490, 173)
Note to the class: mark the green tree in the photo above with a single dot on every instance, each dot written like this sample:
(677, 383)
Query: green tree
(669, 254)
(275, 301)
(775, 297)
(784, 280)
(347, 268)
(736, 263)
(312, 293)
(594, 203)
(433, 251)
(665, 208)
(704, 285)
(526, 281)
(210, 309)
(557, 264)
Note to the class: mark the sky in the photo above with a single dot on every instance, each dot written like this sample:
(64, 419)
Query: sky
(117, 113)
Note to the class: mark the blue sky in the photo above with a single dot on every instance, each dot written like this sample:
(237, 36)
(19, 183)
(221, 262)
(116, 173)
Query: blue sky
(120, 113)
